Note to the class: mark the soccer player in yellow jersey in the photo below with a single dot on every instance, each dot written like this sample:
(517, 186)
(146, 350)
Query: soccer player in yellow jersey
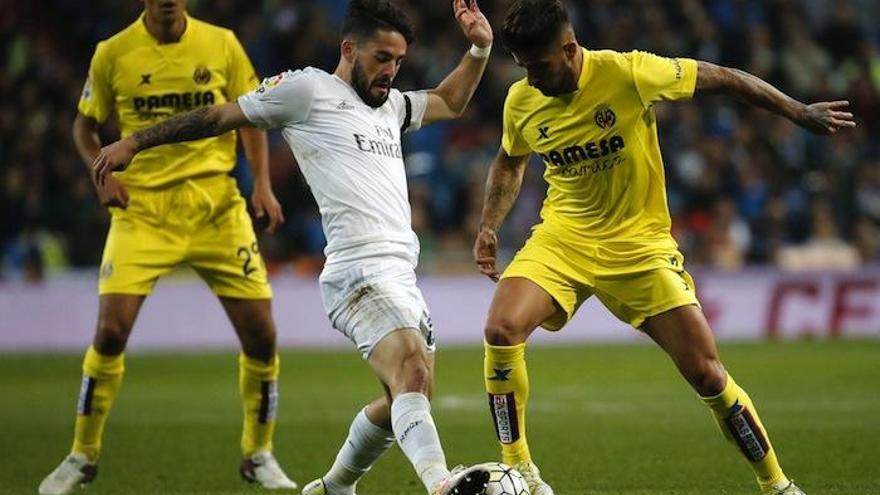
(605, 227)
(176, 204)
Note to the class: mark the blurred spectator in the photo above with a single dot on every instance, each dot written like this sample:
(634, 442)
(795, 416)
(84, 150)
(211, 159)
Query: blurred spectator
(825, 249)
(742, 183)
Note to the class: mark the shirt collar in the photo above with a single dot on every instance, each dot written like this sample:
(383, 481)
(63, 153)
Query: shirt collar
(585, 70)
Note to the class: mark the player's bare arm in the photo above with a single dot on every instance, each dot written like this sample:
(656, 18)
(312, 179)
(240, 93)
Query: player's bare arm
(825, 117)
(88, 144)
(451, 97)
(256, 148)
(190, 126)
(502, 189)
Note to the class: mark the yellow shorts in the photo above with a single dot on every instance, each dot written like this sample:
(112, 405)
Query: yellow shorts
(648, 286)
(202, 223)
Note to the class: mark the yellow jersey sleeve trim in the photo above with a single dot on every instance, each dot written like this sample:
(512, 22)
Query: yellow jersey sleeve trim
(689, 85)
(512, 141)
(662, 78)
(97, 97)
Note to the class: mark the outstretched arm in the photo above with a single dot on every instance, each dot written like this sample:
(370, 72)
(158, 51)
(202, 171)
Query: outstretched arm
(450, 98)
(820, 118)
(502, 189)
(190, 126)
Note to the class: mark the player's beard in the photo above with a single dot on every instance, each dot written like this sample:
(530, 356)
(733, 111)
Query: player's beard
(563, 84)
(362, 86)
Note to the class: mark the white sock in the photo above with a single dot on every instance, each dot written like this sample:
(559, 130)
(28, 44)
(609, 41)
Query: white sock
(418, 439)
(366, 442)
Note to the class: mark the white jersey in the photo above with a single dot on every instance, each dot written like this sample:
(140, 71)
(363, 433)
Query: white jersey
(350, 155)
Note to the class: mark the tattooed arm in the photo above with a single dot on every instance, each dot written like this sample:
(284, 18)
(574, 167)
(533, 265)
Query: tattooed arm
(190, 126)
(825, 117)
(502, 189)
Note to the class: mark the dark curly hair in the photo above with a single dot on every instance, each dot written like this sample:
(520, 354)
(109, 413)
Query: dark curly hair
(364, 17)
(533, 25)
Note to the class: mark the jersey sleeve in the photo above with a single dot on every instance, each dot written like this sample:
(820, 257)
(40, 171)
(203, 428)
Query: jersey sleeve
(512, 140)
(410, 107)
(280, 100)
(242, 77)
(96, 100)
(660, 78)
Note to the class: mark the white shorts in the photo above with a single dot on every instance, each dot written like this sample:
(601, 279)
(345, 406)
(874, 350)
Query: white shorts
(368, 299)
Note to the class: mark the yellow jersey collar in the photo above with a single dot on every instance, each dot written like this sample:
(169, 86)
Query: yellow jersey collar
(585, 70)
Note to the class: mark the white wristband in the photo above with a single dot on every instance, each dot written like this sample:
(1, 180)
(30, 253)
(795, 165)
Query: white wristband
(478, 52)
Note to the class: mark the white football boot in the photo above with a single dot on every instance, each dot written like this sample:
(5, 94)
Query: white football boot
(73, 472)
(464, 481)
(263, 469)
(317, 487)
(532, 475)
(787, 488)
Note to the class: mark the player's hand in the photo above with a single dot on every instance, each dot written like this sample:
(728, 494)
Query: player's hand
(473, 23)
(112, 193)
(113, 157)
(486, 251)
(826, 117)
(265, 204)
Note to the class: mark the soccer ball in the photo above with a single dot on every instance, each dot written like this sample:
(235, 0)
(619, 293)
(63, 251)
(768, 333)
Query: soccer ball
(504, 480)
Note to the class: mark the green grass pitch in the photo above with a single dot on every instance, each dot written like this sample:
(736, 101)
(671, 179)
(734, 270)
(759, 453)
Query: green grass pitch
(603, 420)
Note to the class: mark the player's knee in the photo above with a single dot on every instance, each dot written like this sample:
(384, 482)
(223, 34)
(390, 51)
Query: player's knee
(415, 375)
(260, 343)
(111, 336)
(504, 331)
(708, 377)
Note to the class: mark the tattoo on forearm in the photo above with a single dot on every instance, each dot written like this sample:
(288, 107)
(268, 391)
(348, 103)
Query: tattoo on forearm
(747, 87)
(760, 93)
(187, 127)
(501, 192)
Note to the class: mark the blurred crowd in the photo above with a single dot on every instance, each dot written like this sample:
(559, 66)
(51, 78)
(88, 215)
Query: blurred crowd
(745, 187)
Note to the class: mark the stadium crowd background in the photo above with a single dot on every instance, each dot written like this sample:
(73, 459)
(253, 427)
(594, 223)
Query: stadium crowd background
(745, 187)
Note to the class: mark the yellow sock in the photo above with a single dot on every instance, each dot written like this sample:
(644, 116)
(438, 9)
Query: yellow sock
(257, 383)
(739, 423)
(102, 377)
(507, 383)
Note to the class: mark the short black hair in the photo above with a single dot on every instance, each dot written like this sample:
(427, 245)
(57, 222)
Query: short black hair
(364, 17)
(533, 25)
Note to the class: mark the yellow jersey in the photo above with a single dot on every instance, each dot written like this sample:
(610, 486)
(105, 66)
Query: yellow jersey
(600, 149)
(146, 82)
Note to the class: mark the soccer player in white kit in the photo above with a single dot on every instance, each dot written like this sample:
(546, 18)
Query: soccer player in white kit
(344, 129)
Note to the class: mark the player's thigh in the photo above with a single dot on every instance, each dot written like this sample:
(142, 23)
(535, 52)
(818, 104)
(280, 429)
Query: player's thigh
(136, 253)
(226, 255)
(519, 306)
(543, 285)
(682, 332)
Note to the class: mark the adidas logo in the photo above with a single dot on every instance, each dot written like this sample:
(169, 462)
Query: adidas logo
(344, 105)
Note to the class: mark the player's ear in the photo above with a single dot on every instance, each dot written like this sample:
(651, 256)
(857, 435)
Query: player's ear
(348, 50)
(570, 48)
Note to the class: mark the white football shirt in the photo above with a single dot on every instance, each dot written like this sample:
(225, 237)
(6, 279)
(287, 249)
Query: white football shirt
(350, 155)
